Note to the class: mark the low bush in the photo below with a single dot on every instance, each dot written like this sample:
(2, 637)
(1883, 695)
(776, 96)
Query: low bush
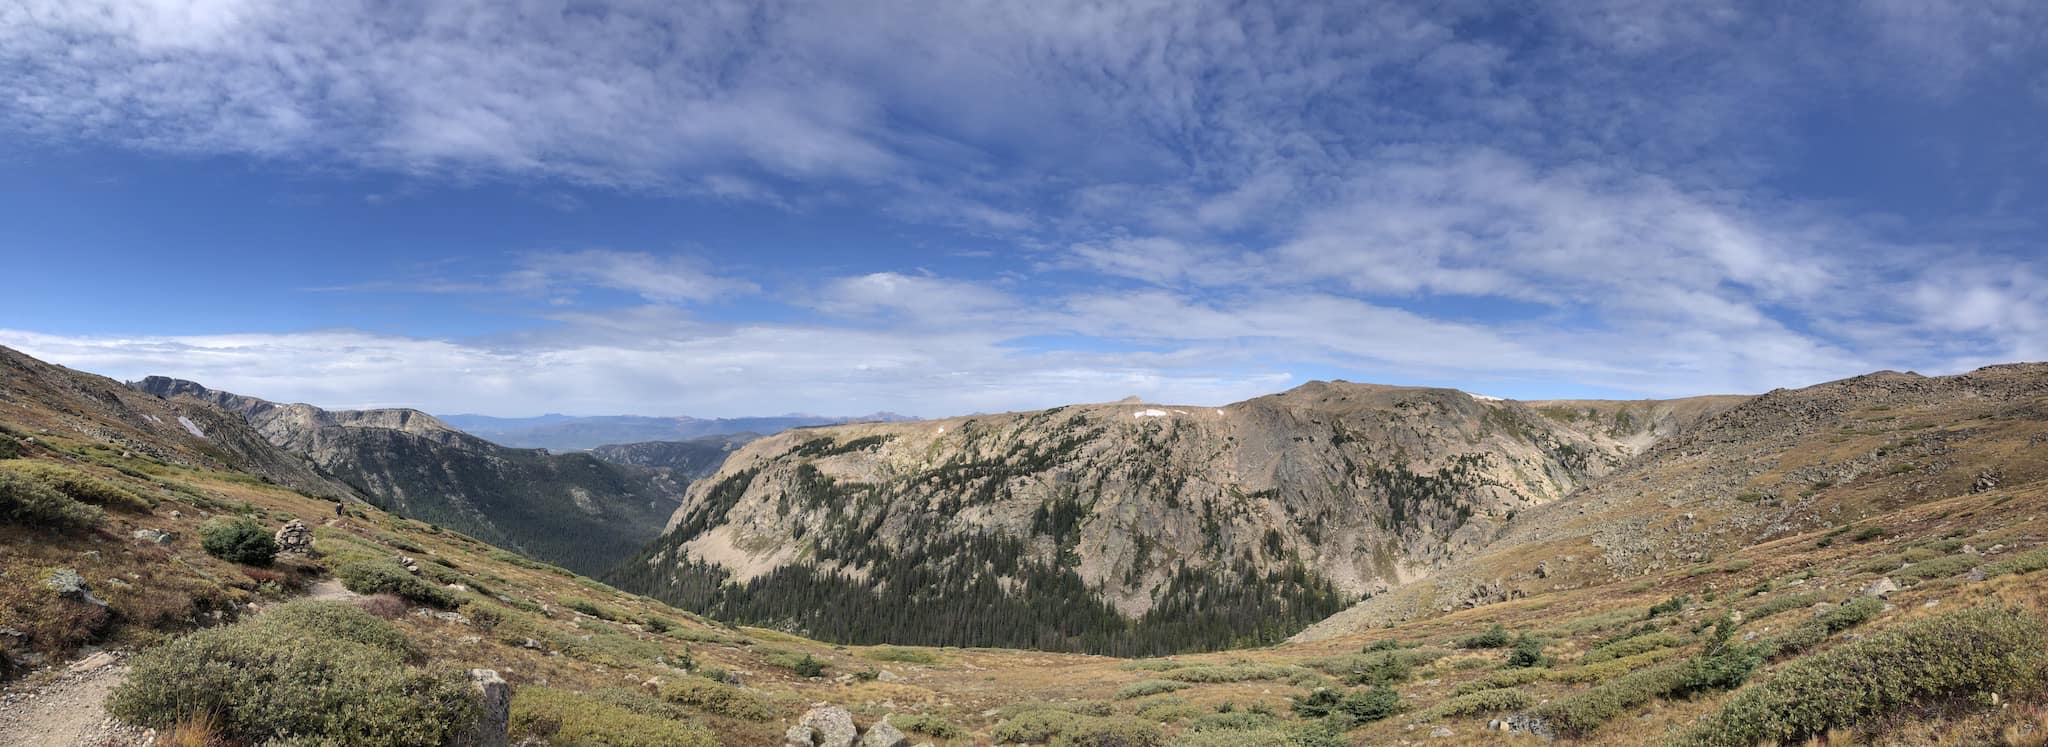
(929, 725)
(590, 608)
(1356, 707)
(1935, 568)
(1218, 673)
(1475, 703)
(1142, 688)
(1112, 731)
(484, 615)
(1578, 715)
(388, 577)
(908, 655)
(1669, 606)
(28, 501)
(2022, 563)
(82, 487)
(1232, 721)
(561, 717)
(1036, 726)
(1631, 647)
(1493, 637)
(238, 540)
(1982, 650)
(718, 698)
(310, 671)
(1781, 603)
(1082, 707)
(1500, 679)
(1527, 652)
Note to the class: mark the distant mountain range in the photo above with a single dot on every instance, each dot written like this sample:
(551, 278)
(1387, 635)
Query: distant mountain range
(570, 432)
(574, 509)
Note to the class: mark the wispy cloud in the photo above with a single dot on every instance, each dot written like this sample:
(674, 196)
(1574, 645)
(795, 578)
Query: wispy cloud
(1609, 194)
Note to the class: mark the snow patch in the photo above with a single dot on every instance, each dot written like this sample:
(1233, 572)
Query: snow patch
(1484, 398)
(1149, 413)
(190, 426)
(152, 418)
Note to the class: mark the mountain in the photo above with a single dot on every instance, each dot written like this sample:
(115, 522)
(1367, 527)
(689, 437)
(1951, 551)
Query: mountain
(567, 432)
(574, 509)
(1785, 463)
(50, 398)
(1127, 528)
(694, 459)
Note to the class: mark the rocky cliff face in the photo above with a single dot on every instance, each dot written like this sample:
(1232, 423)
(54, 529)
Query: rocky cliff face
(1783, 463)
(572, 509)
(1261, 514)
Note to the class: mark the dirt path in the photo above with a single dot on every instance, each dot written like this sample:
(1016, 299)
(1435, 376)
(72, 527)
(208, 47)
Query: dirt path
(331, 590)
(67, 710)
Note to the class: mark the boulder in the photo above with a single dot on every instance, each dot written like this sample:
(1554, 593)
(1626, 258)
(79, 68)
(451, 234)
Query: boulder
(152, 536)
(71, 585)
(494, 694)
(884, 735)
(799, 736)
(831, 726)
(1881, 587)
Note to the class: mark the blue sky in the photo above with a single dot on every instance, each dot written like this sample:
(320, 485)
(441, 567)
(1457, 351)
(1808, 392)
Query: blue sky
(736, 208)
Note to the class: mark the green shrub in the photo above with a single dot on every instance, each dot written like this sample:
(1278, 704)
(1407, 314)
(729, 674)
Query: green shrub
(31, 502)
(1669, 606)
(1527, 652)
(1082, 707)
(1982, 650)
(1142, 688)
(1168, 709)
(1499, 679)
(2023, 563)
(1631, 647)
(1369, 704)
(1267, 737)
(1036, 726)
(1382, 666)
(1493, 637)
(1578, 715)
(238, 540)
(310, 671)
(1867, 534)
(1781, 603)
(1850, 614)
(562, 717)
(484, 615)
(82, 487)
(1112, 731)
(589, 608)
(718, 698)
(1148, 665)
(1232, 721)
(1882, 564)
(388, 577)
(1722, 664)
(928, 725)
(1478, 702)
(1219, 673)
(908, 655)
(1935, 568)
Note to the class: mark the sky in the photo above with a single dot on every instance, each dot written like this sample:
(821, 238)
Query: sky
(517, 207)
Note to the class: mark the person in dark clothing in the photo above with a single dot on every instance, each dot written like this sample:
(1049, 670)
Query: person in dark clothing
(338, 509)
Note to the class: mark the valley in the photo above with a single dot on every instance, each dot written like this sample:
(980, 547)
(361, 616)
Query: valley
(1447, 569)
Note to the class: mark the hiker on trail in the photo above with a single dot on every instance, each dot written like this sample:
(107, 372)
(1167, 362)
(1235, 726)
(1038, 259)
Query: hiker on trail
(338, 509)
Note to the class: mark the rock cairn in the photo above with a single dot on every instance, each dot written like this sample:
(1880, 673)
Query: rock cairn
(294, 538)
